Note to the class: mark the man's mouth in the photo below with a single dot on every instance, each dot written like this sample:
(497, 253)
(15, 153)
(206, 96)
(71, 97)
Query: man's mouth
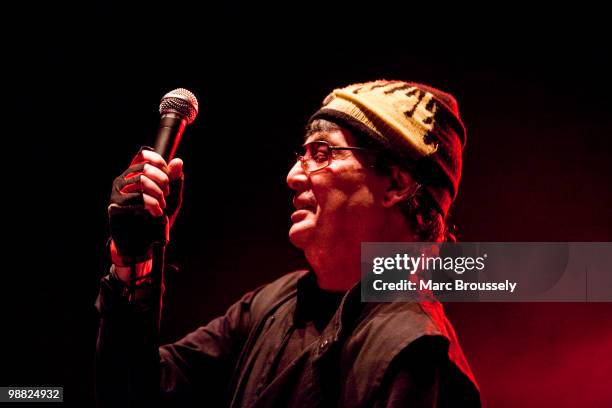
(302, 204)
(305, 207)
(299, 215)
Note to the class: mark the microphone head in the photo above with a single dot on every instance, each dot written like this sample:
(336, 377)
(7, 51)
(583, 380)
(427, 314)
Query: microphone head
(180, 101)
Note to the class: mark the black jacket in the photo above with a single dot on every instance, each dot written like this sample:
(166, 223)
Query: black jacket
(370, 354)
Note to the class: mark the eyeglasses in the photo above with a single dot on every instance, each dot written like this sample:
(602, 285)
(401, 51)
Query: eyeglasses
(317, 155)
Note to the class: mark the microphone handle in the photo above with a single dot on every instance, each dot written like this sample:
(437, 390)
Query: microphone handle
(171, 127)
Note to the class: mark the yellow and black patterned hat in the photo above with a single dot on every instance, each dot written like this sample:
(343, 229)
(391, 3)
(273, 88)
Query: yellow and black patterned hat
(415, 122)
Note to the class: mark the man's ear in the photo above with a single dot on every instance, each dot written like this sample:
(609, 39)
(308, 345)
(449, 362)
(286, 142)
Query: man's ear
(401, 186)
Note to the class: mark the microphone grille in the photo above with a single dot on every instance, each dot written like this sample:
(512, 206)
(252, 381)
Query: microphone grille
(181, 101)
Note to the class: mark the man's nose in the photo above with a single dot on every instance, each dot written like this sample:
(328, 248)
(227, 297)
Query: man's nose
(296, 178)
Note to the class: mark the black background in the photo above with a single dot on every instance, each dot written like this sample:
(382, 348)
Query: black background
(85, 80)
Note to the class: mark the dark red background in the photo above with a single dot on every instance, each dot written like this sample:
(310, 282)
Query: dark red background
(534, 91)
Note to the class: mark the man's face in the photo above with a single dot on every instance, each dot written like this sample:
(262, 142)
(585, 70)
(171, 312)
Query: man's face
(338, 204)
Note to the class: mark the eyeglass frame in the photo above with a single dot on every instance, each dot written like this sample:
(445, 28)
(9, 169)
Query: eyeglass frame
(303, 160)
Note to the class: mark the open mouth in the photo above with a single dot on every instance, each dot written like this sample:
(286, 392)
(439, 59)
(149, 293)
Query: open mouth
(303, 204)
(302, 210)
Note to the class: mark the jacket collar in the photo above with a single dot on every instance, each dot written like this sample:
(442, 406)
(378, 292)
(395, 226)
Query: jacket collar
(345, 316)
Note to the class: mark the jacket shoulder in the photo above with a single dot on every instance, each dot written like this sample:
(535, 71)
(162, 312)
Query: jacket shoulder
(386, 331)
(268, 296)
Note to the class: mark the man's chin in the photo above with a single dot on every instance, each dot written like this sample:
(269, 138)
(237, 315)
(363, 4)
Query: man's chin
(300, 235)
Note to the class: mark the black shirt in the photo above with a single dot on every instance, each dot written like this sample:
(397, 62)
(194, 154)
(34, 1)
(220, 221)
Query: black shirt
(315, 308)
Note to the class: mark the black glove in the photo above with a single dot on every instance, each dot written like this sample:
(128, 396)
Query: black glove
(133, 229)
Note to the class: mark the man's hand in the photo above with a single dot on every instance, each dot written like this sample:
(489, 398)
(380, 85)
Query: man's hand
(144, 203)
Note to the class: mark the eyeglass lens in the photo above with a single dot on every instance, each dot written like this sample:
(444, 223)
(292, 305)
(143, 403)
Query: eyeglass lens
(316, 155)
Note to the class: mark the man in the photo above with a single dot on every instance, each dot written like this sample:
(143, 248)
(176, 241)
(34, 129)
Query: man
(381, 161)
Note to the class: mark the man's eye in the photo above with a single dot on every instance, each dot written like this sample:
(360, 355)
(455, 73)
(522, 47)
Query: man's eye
(320, 157)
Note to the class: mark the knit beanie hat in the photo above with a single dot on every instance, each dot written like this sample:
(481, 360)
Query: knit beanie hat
(417, 124)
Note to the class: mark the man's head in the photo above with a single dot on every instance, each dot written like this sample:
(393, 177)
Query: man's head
(397, 187)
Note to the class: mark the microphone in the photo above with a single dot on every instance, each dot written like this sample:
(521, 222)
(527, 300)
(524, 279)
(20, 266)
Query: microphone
(178, 109)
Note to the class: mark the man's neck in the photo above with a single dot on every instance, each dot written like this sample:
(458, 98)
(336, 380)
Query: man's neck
(338, 267)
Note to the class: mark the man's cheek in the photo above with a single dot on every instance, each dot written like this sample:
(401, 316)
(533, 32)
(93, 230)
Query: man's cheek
(331, 203)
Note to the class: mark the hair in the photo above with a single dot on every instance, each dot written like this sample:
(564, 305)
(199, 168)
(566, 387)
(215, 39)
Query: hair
(421, 214)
